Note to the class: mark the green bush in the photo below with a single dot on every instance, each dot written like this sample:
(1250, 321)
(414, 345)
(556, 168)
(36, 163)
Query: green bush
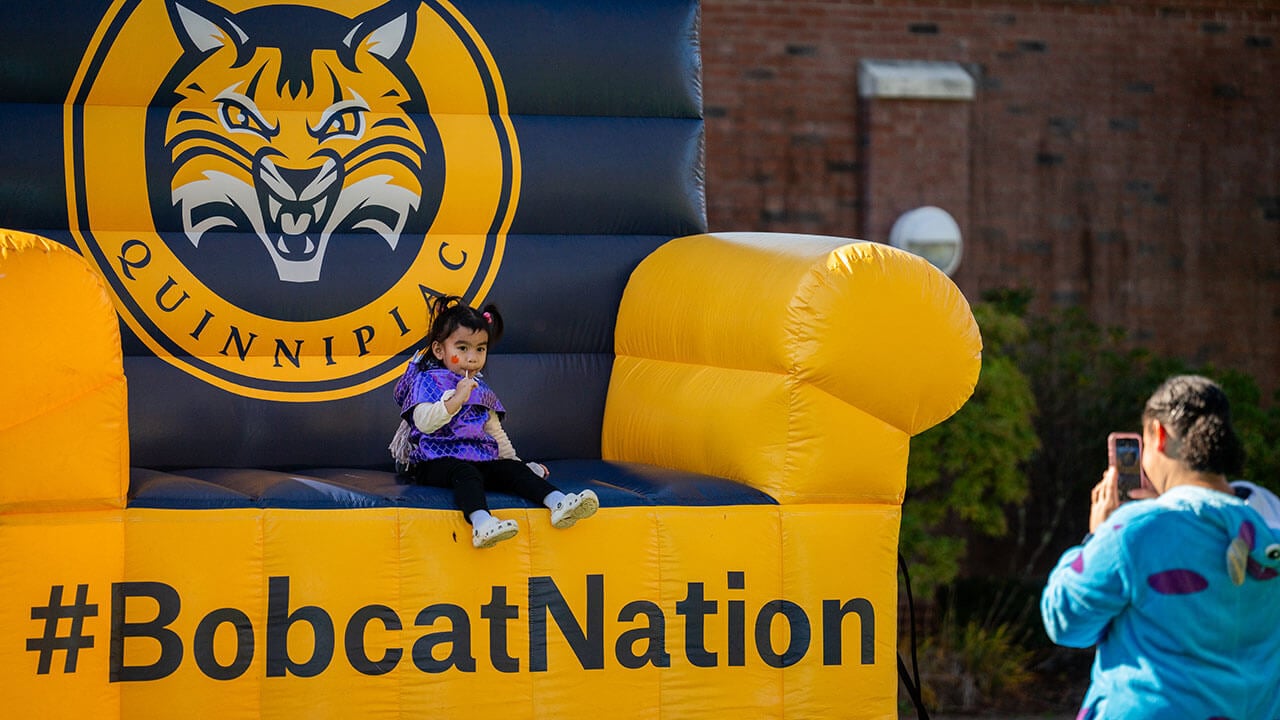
(970, 667)
(1089, 381)
(964, 473)
(1258, 426)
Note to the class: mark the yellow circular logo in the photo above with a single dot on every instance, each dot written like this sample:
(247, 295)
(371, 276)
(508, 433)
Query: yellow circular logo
(274, 191)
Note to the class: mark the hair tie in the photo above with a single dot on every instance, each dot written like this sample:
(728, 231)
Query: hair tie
(489, 318)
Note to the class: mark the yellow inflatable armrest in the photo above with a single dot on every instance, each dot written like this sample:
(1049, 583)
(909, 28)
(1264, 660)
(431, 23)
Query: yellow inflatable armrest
(798, 364)
(64, 441)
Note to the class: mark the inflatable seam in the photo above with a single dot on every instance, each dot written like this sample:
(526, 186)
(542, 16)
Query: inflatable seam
(806, 289)
(55, 407)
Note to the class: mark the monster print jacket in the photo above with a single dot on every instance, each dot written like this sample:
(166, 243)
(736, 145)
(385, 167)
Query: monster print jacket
(1181, 598)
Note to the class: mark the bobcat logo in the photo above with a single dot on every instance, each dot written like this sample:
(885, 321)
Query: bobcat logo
(270, 201)
(295, 125)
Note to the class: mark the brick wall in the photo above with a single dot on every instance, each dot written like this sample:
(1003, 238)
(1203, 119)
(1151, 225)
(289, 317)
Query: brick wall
(1121, 155)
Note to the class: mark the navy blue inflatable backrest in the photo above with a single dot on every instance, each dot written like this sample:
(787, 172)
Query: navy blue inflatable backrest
(601, 157)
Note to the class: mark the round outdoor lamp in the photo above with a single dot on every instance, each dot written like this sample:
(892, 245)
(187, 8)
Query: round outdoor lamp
(931, 233)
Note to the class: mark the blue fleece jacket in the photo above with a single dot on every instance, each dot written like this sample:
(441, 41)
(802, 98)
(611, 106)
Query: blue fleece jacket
(1180, 594)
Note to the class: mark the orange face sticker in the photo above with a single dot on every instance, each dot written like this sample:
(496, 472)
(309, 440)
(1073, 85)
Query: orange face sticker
(453, 359)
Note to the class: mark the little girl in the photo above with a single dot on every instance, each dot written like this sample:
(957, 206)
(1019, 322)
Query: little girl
(450, 434)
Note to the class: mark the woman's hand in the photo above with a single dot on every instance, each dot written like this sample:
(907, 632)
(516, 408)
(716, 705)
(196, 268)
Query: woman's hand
(1104, 499)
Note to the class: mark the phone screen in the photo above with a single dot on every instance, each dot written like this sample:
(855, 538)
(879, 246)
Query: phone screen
(1128, 460)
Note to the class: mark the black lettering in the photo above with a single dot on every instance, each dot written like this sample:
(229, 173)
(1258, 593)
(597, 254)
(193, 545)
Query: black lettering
(737, 622)
(292, 357)
(445, 261)
(458, 636)
(498, 612)
(656, 633)
(588, 645)
(280, 621)
(362, 339)
(833, 614)
(328, 351)
(695, 608)
(127, 265)
(203, 321)
(168, 604)
(798, 644)
(170, 282)
(353, 638)
(395, 313)
(242, 348)
(202, 645)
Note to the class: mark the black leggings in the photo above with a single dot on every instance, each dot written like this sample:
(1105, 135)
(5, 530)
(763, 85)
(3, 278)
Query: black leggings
(470, 480)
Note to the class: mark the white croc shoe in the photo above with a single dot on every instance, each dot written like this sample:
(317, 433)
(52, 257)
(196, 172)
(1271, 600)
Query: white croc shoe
(493, 532)
(574, 507)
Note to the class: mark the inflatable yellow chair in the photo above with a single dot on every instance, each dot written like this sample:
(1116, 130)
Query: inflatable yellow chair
(249, 242)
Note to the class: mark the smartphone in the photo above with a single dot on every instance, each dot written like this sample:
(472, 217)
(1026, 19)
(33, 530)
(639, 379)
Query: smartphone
(1124, 452)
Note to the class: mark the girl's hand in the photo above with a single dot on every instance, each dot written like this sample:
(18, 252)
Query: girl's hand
(464, 388)
(1105, 499)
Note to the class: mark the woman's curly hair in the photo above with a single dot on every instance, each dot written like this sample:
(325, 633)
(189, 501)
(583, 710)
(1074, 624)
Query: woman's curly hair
(1196, 413)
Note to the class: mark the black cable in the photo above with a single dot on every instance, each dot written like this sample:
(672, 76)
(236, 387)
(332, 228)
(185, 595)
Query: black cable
(912, 684)
(913, 691)
(911, 609)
